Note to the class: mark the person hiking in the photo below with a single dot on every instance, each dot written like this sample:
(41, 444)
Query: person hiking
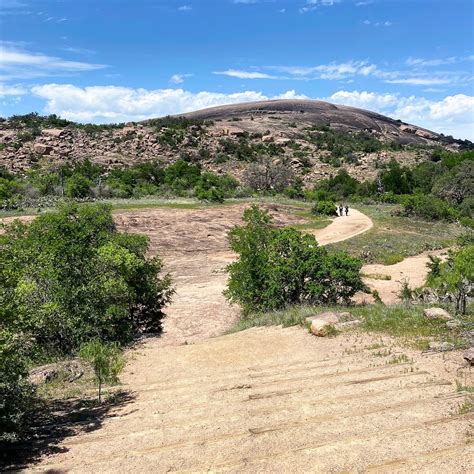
(347, 210)
(341, 210)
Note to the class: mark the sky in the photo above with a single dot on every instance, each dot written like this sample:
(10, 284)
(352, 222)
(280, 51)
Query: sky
(107, 61)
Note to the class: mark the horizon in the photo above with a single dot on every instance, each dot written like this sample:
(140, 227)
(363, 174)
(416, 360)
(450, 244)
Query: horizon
(411, 61)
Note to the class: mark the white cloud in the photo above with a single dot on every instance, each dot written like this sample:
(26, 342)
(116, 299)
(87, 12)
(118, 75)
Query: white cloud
(8, 90)
(245, 74)
(312, 5)
(118, 104)
(378, 23)
(179, 78)
(453, 115)
(335, 71)
(185, 8)
(16, 63)
(420, 62)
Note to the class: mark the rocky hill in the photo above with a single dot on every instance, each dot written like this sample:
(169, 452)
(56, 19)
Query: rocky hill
(314, 138)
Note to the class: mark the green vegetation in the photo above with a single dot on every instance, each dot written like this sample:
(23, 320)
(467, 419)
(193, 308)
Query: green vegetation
(455, 277)
(106, 360)
(340, 144)
(404, 322)
(281, 267)
(65, 279)
(324, 208)
(86, 181)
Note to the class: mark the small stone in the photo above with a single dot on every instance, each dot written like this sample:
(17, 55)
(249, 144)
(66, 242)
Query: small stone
(320, 327)
(452, 324)
(469, 356)
(437, 313)
(348, 324)
(441, 346)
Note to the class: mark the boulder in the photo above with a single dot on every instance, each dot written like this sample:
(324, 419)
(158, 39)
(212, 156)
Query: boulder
(468, 356)
(69, 371)
(42, 149)
(320, 327)
(328, 316)
(437, 313)
(344, 316)
(127, 131)
(53, 132)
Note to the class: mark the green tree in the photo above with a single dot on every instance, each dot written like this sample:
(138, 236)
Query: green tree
(70, 276)
(106, 360)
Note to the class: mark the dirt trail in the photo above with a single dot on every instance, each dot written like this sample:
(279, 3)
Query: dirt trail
(265, 399)
(413, 270)
(343, 228)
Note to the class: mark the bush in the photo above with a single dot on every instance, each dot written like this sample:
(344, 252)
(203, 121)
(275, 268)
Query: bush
(324, 208)
(78, 186)
(426, 207)
(16, 394)
(70, 276)
(280, 267)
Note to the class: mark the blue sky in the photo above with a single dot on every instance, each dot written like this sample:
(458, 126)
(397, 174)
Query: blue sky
(118, 60)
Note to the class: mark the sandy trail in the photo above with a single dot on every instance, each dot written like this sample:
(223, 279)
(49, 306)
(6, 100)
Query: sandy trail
(413, 270)
(344, 228)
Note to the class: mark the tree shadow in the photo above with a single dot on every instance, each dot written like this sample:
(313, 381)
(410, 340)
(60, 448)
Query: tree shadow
(53, 422)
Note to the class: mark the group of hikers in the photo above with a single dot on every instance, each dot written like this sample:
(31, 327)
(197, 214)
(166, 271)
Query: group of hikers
(342, 209)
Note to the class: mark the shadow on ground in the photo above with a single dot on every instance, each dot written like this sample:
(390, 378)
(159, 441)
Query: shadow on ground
(55, 421)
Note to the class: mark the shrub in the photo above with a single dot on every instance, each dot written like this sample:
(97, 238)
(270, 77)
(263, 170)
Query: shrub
(280, 267)
(426, 207)
(268, 177)
(78, 186)
(324, 208)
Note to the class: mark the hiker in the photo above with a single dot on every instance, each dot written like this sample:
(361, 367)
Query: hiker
(347, 210)
(341, 210)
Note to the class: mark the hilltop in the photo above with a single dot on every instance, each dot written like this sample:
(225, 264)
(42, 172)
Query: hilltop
(312, 138)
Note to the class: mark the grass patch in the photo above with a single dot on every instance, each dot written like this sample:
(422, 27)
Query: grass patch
(376, 276)
(313, 223)
(400, 321)
(467, 406)
(393, 258)
(399, 359)
(393, 238)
